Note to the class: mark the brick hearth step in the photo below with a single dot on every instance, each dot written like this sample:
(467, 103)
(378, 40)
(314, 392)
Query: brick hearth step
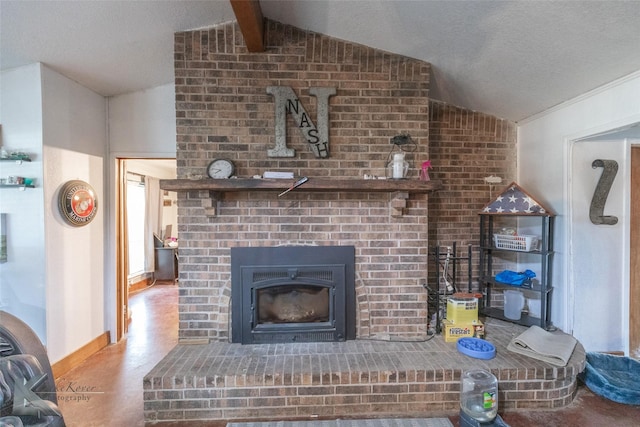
(362, 378)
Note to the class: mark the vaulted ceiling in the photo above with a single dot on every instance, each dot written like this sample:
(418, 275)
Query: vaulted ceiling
(512, 59)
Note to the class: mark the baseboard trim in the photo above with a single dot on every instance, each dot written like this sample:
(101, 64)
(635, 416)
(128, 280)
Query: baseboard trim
(69, 362)
(142, 284)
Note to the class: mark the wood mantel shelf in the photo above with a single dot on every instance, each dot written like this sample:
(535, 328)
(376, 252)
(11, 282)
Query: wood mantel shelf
(313, 184)
(398, 188)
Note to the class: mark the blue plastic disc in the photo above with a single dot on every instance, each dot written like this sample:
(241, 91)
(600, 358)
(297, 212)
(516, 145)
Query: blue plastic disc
(477, 348)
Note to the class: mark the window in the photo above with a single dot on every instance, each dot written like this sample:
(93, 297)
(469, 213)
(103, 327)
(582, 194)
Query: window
(135, 225)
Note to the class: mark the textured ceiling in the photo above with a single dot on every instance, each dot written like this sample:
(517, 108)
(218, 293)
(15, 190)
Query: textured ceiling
(511, 59)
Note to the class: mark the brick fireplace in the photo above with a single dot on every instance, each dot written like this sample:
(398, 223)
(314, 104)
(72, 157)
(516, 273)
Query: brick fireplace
(223, 110)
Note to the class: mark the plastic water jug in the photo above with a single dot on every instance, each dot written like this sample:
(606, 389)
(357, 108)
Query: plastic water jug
(479, 395)
(513, 304)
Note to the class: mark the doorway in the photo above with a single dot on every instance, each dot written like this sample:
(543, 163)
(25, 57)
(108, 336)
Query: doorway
(604, 266)
(135, 271)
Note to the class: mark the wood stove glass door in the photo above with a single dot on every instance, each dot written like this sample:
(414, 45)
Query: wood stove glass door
(292, 303)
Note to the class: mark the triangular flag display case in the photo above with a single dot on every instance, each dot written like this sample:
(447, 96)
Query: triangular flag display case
(514, 200)
(516, 254)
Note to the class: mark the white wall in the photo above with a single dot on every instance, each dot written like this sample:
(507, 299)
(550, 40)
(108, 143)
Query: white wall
(75, 141)
(544, 168)
(22, 277)
(64, 286)
(592, 244)
(141, 125)
(54, 278)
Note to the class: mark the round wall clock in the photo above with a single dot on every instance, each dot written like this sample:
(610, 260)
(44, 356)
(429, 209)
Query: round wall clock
(221, 168)
(78, 203)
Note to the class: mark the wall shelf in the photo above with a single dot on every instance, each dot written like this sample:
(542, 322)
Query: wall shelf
(314, 184)
(20, 187)
(16, 161)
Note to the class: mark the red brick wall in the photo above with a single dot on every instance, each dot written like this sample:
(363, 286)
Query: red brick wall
(223, 110)
(465, 147)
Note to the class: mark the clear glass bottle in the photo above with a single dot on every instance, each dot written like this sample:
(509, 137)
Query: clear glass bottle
(398, 167)
(479, 394)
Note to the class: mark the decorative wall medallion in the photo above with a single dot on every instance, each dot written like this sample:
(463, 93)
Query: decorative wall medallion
(288, 103)
(78, 203)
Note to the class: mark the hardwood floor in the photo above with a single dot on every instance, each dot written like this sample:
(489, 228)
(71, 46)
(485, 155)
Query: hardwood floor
(106, 390)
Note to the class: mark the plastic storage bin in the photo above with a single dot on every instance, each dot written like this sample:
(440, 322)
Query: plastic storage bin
(522, 243)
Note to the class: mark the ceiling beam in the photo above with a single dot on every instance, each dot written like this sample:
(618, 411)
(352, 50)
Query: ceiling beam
(251, 22)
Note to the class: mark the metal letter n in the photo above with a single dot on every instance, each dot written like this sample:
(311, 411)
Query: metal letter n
(288, 103)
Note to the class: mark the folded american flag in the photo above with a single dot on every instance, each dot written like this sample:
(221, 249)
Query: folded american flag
(515, 201)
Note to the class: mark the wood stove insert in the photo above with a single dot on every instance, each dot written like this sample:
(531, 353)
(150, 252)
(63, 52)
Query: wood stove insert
(292, 294)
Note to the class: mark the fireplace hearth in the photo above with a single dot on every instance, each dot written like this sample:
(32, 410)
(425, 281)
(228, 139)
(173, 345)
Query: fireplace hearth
(292, 294)
(224, 382)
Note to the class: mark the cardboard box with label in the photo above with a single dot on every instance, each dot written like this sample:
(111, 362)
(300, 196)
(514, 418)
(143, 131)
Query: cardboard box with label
(462, 309)
(453, 331)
